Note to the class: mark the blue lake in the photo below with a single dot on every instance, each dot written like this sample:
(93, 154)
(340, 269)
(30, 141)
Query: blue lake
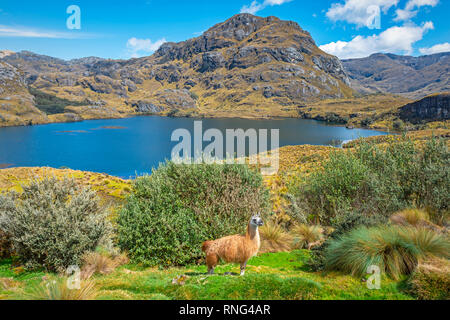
(126, 147)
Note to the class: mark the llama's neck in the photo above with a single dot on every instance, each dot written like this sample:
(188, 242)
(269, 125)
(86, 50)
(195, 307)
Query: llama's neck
(253, 236)
(252, 232)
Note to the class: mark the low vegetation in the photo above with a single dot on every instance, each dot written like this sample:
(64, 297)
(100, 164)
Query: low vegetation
(431, 281)
(58, 289)
(307, 236)
(396, 251)
(376, 180)
(273, 276)
(51, 104)
(52, 223)
(274, 238)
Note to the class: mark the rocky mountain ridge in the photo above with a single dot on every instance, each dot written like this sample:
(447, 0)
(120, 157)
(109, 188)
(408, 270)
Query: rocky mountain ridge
(412, 77)
(246, 65)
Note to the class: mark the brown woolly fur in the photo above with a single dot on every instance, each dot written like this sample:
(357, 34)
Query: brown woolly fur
(233, 249)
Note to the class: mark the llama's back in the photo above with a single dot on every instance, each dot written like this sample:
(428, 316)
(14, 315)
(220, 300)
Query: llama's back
(231, 249)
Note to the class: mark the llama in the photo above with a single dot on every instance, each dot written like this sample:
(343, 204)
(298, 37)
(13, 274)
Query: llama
(237, 248)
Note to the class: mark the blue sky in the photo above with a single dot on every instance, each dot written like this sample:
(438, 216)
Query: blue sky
(119, 29)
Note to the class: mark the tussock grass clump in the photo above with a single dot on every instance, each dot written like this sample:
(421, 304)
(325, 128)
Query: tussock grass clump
(413, 217)
(431, 280)
(395, 250)
(274, 238)
(307, 236)
(59, 290)
(101, 262)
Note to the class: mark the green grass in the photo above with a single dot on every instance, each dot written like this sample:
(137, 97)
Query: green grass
(51, 104)
(271, 276)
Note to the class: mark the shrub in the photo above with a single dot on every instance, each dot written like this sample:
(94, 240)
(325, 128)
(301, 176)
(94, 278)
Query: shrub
(431, 280)
(395, 250)
(307, 236)
(398, 125)
(431, 184)
(5, 246)
(274, 238)
(170, 213)
(375, 180)
(51, 104)
(53, 223)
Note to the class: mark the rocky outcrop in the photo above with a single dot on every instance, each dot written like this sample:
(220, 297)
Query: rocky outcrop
(16, 103)
(432, 108)
(146, 107)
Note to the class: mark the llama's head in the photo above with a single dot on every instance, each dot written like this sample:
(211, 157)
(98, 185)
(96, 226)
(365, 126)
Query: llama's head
(256, 221)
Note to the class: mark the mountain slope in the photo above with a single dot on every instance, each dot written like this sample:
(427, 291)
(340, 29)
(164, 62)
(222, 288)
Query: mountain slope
(245, 66)
(16, 103)
(412, 77)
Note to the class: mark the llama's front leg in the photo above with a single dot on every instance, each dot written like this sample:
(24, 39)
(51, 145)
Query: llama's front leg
(243, 266)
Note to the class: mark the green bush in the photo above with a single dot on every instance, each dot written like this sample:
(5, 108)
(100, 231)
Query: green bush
(374, 180)
(395, 250)
(170, 213)
(53, 223)
(51, 104)
(5, 246)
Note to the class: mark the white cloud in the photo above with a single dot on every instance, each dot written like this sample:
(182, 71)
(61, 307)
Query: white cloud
(256, 6)
(141, 47)
(358, 11)
(6, 31)
(409, 12)
(392, 40)
(441, 47)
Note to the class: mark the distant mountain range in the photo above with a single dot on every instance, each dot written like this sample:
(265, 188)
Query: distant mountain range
(247, 66)
(412, 77)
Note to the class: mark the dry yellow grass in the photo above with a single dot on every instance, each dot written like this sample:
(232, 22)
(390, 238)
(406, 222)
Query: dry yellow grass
(108, 187)
(101, 263)
(307, 236)
(274, 238)
(58, 289)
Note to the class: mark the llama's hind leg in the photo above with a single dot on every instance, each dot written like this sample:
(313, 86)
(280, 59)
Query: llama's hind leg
(243, 266)
(211, 262)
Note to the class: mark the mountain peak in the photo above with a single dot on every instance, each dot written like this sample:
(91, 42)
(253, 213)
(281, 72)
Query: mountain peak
(247, 63)
(5, 53)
